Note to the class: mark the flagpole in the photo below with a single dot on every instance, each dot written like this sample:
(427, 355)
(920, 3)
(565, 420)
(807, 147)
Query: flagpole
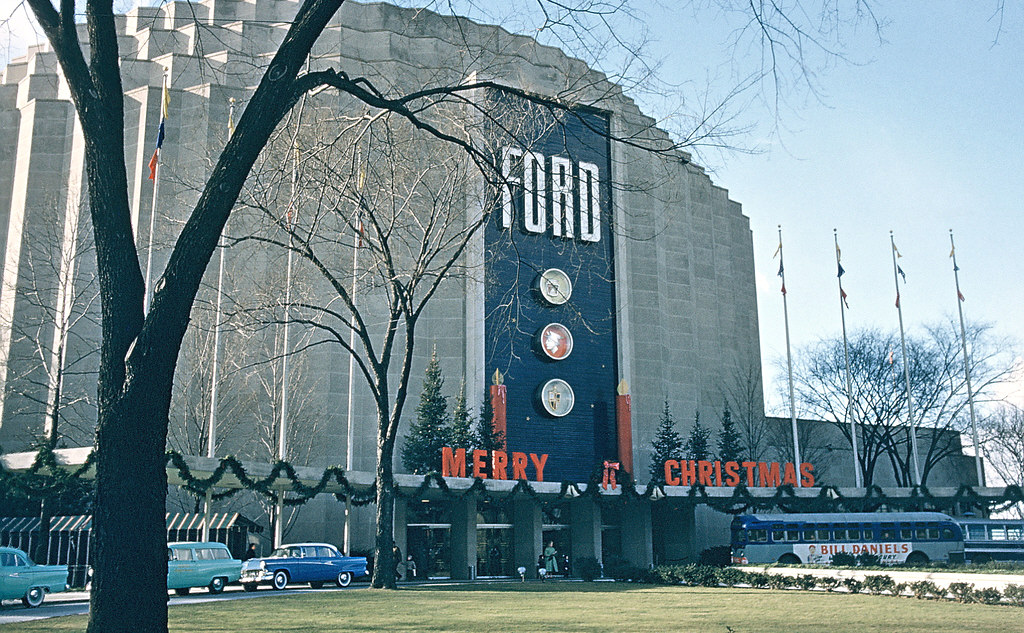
(349, 445)
(967, 368)
(858, 477)
(211, 444)
(789, 361)
(906, 366)
(282, 440)
(147, 297)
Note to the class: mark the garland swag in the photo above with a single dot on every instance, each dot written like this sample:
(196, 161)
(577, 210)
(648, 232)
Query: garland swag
(46, 478)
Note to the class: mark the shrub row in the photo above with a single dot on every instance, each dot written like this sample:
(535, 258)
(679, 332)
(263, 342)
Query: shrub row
(880, 584)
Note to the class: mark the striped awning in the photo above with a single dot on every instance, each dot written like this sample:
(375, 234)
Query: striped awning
(194, 520)
(175, 521)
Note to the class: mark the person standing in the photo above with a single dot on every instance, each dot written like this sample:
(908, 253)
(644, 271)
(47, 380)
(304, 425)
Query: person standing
(551, 558)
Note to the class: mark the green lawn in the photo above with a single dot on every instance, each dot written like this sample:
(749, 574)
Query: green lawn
(600, 607)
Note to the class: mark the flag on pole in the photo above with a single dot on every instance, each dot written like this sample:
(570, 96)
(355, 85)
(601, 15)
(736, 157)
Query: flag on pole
(780, 269)
(897, 251)
(897, 298)
(960, 296)
(165, 104)
(841, 270)
(842, 293)
(902, 274)
(777, 250)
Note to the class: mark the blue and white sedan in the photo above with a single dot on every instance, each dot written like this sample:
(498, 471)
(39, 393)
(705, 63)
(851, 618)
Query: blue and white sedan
(21, 578)
(315, 563)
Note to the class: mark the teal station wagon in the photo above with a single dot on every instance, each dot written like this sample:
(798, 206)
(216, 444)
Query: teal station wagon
(21, 578)
(207, 565)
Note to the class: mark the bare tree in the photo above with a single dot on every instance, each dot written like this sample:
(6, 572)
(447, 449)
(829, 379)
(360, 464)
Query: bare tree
(50, 359)
(139, 348)
(1003, 439)
(878, 401)
(745, 395)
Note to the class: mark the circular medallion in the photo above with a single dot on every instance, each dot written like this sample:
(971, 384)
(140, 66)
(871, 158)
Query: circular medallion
(554, 286)
(555, 341)
(556, 397)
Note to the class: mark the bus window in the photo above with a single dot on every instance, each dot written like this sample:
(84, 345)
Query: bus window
(947, 534)
(853, 534)
(1014, 532)
(907, 533)
(778, 535)
(998, 533)
(757, 536)
(922, 533)
(823, 533)
(933, 533)
(887, 532)
(810, 534)
(976, 533)
(792, 533)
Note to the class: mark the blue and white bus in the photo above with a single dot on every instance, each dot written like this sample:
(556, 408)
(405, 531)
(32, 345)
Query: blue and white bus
(913, 538)
(987, 540)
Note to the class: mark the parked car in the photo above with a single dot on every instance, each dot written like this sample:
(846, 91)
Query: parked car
(21, 578)
(207, 565)
(315, 563)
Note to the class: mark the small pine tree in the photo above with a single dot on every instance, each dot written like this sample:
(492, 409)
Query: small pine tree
(697, 446)
(460, 433)
(421, 453)
(730, 448)
(667, 445)
(485, 436)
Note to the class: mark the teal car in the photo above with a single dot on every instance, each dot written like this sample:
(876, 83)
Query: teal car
(207, 565)
(21, 578)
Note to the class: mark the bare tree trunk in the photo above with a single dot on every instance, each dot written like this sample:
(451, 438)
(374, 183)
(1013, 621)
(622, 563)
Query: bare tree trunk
(384, 541)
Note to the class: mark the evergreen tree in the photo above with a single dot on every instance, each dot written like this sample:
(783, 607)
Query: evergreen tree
(730, 448)
(485, 436)
(421, 453)
(697, 446)
(667, 445)
(460, 433)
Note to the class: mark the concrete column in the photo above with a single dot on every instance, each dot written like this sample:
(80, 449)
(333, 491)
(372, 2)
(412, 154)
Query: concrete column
(527, 534)
(637, 542)
(400, 530)
(585, 527)
(463, 538)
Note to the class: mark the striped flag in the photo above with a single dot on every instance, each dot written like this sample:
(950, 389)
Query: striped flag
(165, 104)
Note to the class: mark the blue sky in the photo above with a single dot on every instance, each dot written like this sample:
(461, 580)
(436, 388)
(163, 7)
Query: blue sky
(919, 133)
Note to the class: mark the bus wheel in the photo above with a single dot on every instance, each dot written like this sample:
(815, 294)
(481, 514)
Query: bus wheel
(789, 559)
(916, 559)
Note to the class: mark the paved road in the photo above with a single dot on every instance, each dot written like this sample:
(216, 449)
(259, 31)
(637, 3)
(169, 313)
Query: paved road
(77, 602)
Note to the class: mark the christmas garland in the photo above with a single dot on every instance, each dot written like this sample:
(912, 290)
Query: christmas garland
(46, 477)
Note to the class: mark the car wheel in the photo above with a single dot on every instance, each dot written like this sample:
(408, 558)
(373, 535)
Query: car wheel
(33, 597)
(917, 558)
(789, 559)
(316, 585)
(344, 579)
(182, 592)
(250, 586)
(216, 585)
(280, 580)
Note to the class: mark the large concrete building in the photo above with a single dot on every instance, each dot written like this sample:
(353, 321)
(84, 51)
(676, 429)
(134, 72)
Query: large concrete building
(605, 267)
